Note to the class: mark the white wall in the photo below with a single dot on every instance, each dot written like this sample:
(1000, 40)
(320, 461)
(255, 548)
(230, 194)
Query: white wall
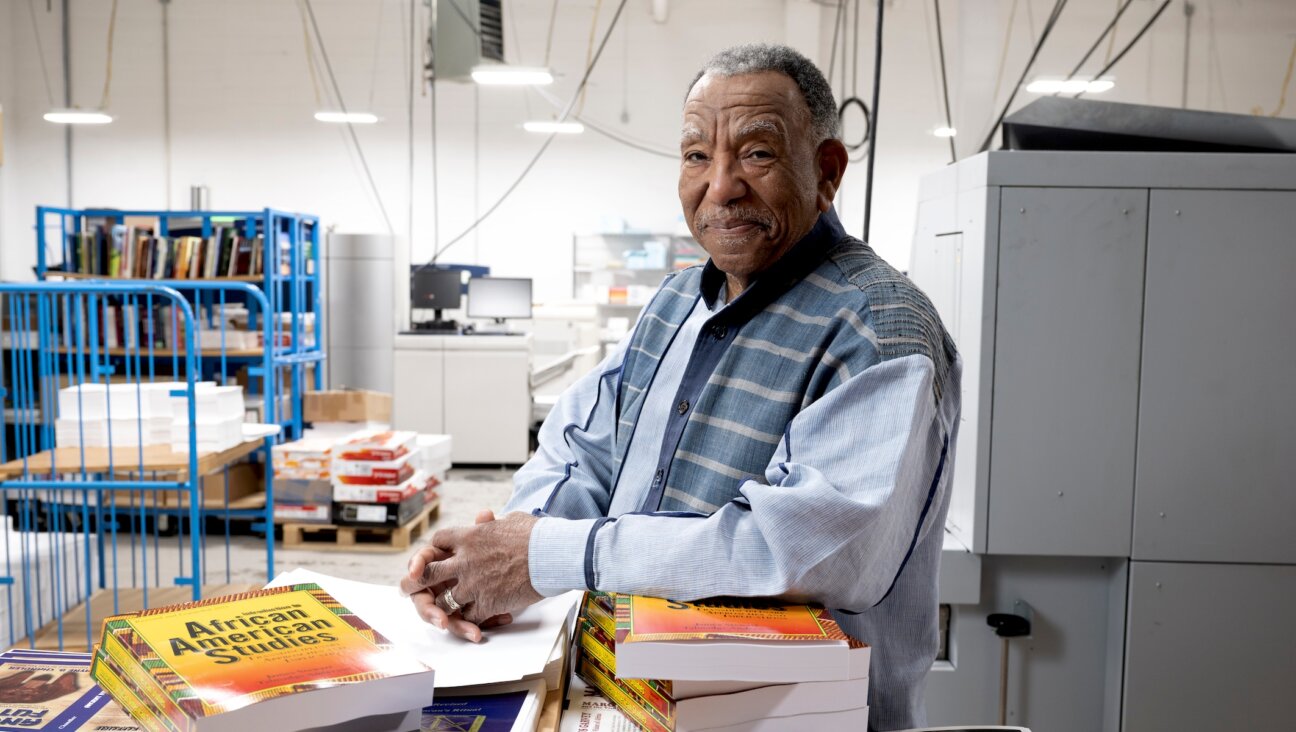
(242, 105)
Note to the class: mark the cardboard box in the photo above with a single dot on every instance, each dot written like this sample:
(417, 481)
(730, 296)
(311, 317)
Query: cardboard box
(302, 492)
(245, 479)
(357, 405)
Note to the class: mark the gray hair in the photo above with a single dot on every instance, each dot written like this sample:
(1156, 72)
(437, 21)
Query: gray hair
(754, 58)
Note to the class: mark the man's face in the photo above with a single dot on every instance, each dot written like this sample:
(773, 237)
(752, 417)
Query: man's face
(749, 178)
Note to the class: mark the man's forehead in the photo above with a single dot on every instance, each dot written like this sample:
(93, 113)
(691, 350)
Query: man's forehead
(768, 95)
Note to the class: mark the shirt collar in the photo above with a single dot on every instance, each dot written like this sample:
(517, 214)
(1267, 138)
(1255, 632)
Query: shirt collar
(799, 261)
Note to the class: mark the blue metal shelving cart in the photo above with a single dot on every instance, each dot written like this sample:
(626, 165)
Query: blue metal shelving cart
(290, 280)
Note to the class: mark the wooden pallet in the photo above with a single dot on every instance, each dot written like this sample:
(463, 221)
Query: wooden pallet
(333, 538)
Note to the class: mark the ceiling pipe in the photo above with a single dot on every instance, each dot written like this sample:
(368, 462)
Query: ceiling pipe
(660, 10)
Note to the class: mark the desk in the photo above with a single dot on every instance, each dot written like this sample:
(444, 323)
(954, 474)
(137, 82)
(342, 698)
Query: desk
(476, 388)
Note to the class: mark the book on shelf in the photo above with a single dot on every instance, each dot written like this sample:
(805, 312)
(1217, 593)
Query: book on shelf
(52, 690)
(698, 684)
(132, 249)
(250, 661)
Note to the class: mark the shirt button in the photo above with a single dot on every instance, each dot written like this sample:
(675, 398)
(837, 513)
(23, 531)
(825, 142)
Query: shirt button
(682, 407)
(719, 332)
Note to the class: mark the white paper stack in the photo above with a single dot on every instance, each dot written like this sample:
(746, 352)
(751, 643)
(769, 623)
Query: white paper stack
(130, 415)
(218, 418)
(433, 455)
(531, 647)
(54, 578)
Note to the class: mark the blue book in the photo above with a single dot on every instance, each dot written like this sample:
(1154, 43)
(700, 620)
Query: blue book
(50, 690)
(487, 713)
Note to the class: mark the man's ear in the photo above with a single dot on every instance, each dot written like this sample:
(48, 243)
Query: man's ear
(830, 165)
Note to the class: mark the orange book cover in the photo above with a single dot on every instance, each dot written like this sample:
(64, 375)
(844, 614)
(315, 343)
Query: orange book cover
(641, 618)
(226, 653)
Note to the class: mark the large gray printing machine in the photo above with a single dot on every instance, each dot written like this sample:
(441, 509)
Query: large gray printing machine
(1124, 477)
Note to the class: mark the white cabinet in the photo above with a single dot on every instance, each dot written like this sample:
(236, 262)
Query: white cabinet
(475, 388)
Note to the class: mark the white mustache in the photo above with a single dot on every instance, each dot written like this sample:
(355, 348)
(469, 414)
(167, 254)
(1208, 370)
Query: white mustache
(703, 219)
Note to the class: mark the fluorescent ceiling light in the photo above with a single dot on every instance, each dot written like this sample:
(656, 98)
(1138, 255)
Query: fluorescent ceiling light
(551, 126)
(77, 117)
(358, 118)
(944, 132)
(501, 75)
(1069, 86)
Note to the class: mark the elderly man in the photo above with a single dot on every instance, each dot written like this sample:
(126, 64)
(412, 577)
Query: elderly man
(781, 422)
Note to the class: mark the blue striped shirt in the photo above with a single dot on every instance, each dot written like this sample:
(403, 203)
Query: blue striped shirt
(849, 512)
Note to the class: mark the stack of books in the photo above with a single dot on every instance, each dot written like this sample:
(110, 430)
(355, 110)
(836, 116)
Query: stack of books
(52, 690)
(289, 657)
(731, 663)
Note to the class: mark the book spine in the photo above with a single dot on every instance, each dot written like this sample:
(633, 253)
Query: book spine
(132, 673)
(601, 680)
(125, 696)
(654, 694)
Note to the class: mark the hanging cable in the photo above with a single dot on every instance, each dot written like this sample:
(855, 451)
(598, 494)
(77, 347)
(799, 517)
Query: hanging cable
(310, 55)
(408, 50)
(872, 146)
(40, 51)
(1039, 44)
(1003, 55)
(1098, 41)
(600, 128)
(553, 16)
(431, 78)
(112, 32)
(589, 49)
(1282, 96)
(853, 99)
(373, 76)
(832, 54)
(355, 140)
(548, 140)
(1133, 42)
(949, 119)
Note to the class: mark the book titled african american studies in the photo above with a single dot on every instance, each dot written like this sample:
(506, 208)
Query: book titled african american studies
(254, 661)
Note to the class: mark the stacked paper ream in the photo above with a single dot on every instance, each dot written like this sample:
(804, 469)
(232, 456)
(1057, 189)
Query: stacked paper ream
(218, 414)
(228, 339)
(146, 414)
(131, 414)
(302, 488)
(377, 467)
(48, 556)
(432, 455)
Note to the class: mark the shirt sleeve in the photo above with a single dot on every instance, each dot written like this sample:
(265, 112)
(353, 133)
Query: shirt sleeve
(571, 473)
(852, 489)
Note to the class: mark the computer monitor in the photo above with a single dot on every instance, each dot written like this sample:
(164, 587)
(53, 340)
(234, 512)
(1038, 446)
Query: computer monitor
(435, 289)
(499, 298)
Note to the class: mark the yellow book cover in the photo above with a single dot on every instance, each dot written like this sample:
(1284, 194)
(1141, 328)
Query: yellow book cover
(219, 655)
(640, 618)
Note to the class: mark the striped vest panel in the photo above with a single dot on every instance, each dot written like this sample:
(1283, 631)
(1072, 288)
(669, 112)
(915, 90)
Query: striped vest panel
(851, 312)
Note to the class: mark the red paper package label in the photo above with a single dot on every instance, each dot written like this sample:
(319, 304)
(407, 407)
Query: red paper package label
(377, 476)
(385, 445)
